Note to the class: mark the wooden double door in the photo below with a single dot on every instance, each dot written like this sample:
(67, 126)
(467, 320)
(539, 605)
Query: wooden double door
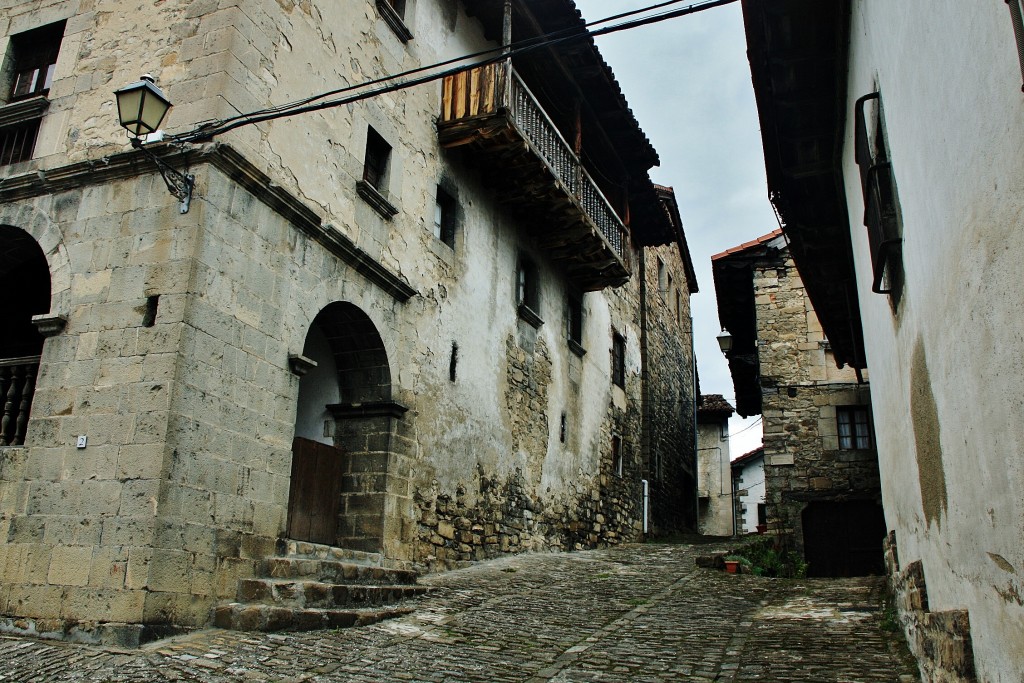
(314, 498)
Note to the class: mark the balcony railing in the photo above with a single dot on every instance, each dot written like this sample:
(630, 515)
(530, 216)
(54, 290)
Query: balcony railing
(491, 108)
(17, 383)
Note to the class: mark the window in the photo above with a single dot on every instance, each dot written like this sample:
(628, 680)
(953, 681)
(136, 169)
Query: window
(854, 428)
(373, 186)
(574, 320)
(662, 276)
(30, 63)
(881, 210)
(393, 14)
(1017, 17)
(444, 218)
(526, 284)
(375, 167)
(618, 359)
(33, 56)
(617, 455)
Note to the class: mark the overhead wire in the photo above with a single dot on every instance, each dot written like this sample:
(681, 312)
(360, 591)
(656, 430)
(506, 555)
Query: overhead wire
(395, 82)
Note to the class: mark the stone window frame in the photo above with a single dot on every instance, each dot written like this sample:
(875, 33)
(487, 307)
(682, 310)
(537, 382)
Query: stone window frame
(616, 455)
(618, 356)
(574, 323)
(376, 166)
(393, 12)
(847, 417)
(34, 52)
(528, 291)
(445, 210)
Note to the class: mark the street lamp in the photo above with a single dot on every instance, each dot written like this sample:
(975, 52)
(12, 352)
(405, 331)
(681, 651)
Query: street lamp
(141, 107)
(725, 342)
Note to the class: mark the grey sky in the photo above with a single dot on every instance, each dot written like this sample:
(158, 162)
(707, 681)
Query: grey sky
(688, 83)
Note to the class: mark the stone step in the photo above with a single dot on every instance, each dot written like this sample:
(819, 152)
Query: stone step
(258, 617)
(318, 551)
(334, 571)
(291, 593)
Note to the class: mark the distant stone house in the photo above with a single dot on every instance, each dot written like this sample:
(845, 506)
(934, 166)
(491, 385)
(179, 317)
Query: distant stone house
(714, 479)
(822, 492)
(749, 490)
(420, 326)
(893, 150)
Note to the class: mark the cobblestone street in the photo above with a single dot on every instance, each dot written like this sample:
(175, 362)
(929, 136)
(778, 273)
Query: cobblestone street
(638, 613)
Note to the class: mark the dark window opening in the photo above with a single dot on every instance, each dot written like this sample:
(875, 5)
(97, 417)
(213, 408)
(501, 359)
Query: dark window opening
(527, 289)
(617, 456)
(762, 513)
(398, 6)
(444, 218)
(149, 318)
(453, 362)
(33, 56)
(375, 167)
(561, 429)
(18, 142)
(1017, 17)
(854, 428)
(881, 209)
(618, 359)
(574, 319)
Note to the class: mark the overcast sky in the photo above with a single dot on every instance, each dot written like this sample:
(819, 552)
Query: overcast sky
(688, 83)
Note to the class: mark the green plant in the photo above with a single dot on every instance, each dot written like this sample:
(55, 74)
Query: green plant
(764, 558)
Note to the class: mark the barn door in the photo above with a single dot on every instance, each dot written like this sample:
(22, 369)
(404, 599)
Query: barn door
(315, 491)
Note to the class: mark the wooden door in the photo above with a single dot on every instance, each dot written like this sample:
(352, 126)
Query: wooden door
(315, 491)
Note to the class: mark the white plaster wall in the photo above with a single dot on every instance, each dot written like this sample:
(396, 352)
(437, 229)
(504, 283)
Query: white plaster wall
(951, 90)
(751, 481)
(714, 479)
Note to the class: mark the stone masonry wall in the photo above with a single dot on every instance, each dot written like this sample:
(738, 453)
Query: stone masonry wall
(801, 389)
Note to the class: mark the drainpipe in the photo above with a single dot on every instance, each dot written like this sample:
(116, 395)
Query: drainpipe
(647, 502)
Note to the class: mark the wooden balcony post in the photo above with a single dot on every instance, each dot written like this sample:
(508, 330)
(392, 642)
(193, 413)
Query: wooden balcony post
(506, 41)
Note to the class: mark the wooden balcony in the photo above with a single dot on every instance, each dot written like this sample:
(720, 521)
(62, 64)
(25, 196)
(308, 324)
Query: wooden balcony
(491, 112)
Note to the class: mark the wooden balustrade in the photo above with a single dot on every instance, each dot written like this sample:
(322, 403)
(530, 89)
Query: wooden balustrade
(17, 383)
(472, 101)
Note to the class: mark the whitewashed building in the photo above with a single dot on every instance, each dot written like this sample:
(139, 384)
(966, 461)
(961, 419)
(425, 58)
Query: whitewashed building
(895, 158)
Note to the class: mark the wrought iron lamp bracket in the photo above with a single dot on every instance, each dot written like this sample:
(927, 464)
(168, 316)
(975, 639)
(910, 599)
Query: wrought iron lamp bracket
(179, 184)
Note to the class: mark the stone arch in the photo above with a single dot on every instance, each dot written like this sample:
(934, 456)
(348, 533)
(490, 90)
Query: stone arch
(48, 237)
(344, 451)
(25, 284)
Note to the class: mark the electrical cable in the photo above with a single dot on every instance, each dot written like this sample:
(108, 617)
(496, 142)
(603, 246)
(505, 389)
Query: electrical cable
(209, 130)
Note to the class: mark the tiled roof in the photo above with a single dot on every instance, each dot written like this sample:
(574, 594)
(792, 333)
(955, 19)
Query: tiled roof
(760, 241)
(747, 457)
(712, 404)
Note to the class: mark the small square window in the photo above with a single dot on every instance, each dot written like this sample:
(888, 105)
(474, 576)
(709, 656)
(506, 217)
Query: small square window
(854, 428)
(18, 141)
(618, 359)
(375, 167)
(444, 218)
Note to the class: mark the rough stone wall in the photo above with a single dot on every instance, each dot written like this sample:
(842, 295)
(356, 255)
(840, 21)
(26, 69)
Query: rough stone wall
(801, 389)
(714, 478)
(941, 641)
(184, 485)
(670, 438)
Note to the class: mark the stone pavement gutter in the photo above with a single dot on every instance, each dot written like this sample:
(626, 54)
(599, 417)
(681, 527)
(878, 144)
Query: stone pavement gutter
(639, 613)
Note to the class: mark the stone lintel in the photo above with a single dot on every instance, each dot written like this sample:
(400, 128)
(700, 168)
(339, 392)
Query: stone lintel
(349, 411)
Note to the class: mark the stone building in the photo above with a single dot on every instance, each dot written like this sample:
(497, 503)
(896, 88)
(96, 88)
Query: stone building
(822, 491)
(419, 326)
(893, 155)
(714, 475)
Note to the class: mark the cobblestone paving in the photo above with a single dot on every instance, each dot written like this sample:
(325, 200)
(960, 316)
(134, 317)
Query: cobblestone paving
(637, 614)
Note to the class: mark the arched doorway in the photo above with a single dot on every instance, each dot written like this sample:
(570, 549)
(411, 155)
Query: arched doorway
(25, 284)
(344, 426)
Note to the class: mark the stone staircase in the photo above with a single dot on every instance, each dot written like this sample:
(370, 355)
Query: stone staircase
(308, 586)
